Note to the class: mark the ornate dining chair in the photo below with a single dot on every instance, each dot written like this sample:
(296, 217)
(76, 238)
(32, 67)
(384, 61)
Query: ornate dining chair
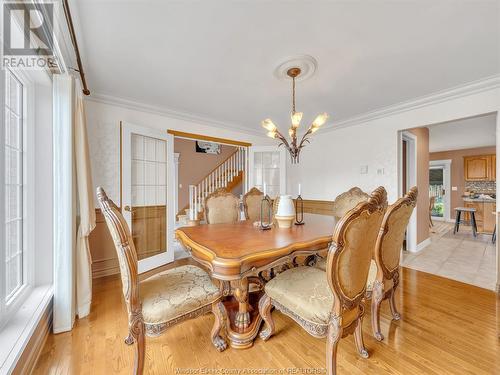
(384, 270)
(221, 207)
(164, 299)
(251, 204)
(342, 204)
(330, 304)
(348, 200)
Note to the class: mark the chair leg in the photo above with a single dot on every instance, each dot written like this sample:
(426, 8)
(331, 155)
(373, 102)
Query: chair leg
(333, 338)
(377, 297)
(219, 312)
(265, 306)
(136, 328)
(457, 222)
(392, 303)
(494, 235)
(358, 339)
(473, 223)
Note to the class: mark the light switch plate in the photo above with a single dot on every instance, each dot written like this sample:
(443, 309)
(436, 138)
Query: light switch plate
(454, 188)
(380, 171)
(363, 169)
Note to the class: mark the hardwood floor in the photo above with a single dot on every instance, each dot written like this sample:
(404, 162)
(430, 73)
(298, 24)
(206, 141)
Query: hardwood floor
(447, 327)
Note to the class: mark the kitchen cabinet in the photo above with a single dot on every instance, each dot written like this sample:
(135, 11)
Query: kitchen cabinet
(479, 168)
(485, 220)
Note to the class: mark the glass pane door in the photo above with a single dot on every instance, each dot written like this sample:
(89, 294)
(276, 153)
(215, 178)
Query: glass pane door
(149, 193)
(437, 191)
(267, 166)
(146, 165)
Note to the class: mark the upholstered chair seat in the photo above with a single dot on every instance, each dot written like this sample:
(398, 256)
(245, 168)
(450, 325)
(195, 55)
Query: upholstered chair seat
(305, 293)
(173, 293)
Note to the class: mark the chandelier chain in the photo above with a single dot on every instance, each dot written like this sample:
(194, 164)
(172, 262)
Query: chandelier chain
(293, 95)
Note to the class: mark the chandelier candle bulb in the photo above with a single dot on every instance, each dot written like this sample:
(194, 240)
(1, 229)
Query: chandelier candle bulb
(300, 190)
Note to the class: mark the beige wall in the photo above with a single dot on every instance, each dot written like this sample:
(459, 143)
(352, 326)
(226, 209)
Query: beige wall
(422, 135)
(457, 169)
(193, 166)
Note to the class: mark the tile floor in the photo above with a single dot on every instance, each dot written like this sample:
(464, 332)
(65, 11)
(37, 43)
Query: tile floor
(459, 257)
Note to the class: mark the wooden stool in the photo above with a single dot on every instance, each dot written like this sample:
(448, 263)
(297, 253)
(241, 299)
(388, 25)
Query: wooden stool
(471, 222)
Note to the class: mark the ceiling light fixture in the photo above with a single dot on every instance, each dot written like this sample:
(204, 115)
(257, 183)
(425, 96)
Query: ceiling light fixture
(293, 146)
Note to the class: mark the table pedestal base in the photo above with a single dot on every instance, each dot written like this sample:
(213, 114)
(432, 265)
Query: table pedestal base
(242, 338)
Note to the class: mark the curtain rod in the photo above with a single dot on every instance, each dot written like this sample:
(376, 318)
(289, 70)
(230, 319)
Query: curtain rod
(69, 21)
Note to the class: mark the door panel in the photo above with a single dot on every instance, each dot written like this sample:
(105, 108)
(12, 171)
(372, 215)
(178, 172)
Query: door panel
(267, 165)
(147, 157)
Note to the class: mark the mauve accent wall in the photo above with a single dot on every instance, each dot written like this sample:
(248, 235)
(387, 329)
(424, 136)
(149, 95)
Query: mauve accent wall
(193, 166)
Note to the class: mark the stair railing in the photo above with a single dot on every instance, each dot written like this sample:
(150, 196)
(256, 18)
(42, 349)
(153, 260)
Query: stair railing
(220, 177)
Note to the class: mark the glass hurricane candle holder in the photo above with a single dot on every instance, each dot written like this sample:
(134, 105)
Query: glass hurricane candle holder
(299, 211)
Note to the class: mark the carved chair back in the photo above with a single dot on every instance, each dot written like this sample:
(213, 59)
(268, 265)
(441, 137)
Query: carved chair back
(348, 200)
(125, 249)
(350, 254)
(222, 207)
(391, 236)
(251, 204)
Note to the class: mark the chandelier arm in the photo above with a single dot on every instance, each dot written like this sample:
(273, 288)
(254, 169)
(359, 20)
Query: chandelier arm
(283, 139)
(304, 138)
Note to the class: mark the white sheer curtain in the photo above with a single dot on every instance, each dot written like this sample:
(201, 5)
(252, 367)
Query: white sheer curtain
(74, 212)
(86, 209)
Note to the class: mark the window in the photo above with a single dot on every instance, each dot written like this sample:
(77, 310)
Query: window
(13, 232)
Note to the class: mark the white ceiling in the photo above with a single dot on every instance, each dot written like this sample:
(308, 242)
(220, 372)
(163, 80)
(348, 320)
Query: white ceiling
(462, 134)
(215, 59)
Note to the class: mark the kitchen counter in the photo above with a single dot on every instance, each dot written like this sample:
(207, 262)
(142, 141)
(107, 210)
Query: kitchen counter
(490, 200)
(485, 219)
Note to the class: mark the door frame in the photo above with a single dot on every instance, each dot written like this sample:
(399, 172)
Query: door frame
(283, 171)
(127, 130)
(411, 176)
(446, 165)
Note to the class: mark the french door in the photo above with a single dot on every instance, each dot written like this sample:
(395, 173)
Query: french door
(148, 193)
(267, 165)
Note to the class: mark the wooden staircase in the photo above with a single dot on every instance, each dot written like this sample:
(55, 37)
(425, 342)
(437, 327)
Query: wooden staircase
(228, 174)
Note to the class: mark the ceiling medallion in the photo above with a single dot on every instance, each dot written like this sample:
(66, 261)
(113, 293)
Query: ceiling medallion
(294, 146)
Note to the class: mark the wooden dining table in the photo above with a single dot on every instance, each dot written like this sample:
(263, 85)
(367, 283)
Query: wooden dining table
(239, 254)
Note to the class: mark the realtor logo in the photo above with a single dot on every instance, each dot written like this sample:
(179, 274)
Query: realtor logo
(28, 35)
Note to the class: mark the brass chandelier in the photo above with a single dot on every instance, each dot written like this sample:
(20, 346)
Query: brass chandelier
(293, 146)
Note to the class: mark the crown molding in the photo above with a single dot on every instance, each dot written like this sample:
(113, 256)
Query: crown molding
(169, 112)
(456, 92)
(470, 88)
